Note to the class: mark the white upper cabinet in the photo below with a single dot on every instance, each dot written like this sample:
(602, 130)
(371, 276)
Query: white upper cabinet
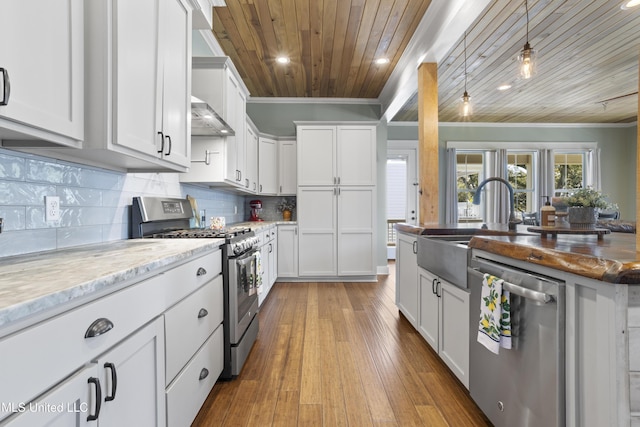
(215, 81)
(139, 82)
(287, 159)
(41, 71)
(336, 155)
(267, 166)
(251, 160)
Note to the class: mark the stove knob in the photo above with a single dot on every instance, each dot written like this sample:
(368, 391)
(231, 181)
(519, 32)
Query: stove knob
(237, 249)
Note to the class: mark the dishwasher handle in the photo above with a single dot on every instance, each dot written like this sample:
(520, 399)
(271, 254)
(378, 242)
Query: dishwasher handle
(519, 290)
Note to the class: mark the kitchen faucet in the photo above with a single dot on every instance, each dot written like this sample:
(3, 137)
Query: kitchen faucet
(512, 211)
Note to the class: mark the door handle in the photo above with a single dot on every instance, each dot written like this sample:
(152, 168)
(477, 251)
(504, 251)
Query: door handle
(114, 381)
(96, 414)
(168, 138)
(161, 150)
(415, 247)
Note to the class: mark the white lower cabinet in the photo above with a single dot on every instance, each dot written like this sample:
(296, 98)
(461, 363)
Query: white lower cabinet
(443, 321)
(407, 277)
(188, 391)
(268, 261)
(106, 358)
(131, 377)
(287, 250)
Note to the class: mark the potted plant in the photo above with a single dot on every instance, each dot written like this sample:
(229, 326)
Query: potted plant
(286, 206)
(584, 205)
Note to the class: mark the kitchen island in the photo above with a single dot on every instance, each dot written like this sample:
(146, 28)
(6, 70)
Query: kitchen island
(602, 317)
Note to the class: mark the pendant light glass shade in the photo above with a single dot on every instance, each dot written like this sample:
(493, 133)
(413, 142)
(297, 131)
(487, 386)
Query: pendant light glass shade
(527, 56)
(465, 109)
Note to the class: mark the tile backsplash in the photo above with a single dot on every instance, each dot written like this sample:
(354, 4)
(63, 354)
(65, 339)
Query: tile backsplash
(95, 203)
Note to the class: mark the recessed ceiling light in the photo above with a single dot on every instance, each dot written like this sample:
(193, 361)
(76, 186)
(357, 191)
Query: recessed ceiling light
(504, 87)
(382, 61)
(629, 4)
(283, 60)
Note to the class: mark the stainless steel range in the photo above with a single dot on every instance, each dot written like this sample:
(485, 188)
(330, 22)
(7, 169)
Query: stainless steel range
(169, 218)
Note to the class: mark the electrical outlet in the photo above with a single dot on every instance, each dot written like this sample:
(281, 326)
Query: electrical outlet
(51, 208)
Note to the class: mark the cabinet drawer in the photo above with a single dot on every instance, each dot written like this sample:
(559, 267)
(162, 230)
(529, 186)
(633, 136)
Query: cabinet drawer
(188, 392)
(38, 357)
(190, 322)
(188, 277)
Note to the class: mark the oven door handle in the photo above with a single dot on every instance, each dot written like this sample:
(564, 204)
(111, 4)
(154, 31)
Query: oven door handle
(246, 258)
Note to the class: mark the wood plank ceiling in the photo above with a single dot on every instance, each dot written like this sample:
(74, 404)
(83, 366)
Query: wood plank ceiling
(588, 55)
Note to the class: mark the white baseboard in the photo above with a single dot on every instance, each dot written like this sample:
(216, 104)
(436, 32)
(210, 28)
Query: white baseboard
(383, 269)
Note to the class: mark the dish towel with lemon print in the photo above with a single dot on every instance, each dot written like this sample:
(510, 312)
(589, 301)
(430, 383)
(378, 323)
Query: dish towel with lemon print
(495, 315)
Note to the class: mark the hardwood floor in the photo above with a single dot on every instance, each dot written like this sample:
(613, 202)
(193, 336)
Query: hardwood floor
(339, 354)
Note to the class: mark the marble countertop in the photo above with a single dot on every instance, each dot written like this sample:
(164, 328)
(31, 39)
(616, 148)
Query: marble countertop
(36, 283)
(613, 259)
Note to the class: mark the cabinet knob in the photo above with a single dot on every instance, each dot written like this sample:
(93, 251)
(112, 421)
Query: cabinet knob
(96, 414)
(202, 313)
(201, 272)
(204, 373)
(99, 327)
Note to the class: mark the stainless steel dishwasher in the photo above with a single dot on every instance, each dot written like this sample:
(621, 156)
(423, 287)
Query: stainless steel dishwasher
(524, 385)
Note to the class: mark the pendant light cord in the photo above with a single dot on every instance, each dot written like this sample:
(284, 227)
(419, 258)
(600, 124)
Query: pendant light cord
(526, 8)
(465, 62)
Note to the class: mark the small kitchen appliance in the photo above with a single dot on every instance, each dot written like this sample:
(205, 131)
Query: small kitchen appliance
(169, 218)
(256, 208)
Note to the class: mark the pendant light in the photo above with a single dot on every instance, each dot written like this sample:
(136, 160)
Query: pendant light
(527, 56)
(465, 109)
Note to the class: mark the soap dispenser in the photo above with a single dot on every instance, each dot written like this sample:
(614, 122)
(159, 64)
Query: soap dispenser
(548, 214)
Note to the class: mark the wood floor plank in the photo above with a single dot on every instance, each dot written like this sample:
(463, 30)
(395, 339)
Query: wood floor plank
(339, 354)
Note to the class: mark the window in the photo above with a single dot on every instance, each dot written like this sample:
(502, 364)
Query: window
(568, 172)
(521, 174)
(469, 173)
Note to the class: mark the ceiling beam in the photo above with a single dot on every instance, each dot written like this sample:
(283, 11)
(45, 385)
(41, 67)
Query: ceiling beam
(439, 30)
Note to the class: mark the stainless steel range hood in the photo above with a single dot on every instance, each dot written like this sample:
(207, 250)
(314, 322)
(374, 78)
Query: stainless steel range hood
(206, 122)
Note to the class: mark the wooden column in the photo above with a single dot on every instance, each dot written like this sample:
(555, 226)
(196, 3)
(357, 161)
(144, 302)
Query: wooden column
(428, 142)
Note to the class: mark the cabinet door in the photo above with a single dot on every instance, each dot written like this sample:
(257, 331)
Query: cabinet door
(175, 44)
(265, 265)
(42, 53)
(232, 101)
(268, 152)
(68, 404)
(356, 224)
(407, 277)
(454, 330)
(316, 155)
(287, 161)
(136, 366)
(317, 226)
(273, 259)
(251, 169)
(287, 251)
(356, 155)
(137, 80)
(429, 303)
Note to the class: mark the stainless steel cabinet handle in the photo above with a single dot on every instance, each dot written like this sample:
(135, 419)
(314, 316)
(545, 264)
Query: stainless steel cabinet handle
(415, 247)
(114, 381)
(99, 327)
(519, 290)
(6, 87)
(96, 414)
(161, 150)
(204, 373)
(338, 180)
(202, 313)
(201, 272)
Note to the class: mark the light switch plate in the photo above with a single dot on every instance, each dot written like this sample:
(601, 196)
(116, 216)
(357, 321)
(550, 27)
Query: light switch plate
(51, 208)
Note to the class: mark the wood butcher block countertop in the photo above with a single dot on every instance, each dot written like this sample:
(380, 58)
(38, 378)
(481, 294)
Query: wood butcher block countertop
(613, 259)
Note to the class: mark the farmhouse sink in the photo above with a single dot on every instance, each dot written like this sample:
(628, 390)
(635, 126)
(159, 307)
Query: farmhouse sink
(446, 256)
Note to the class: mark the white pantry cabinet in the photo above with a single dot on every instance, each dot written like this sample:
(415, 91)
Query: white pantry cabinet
(220, 160)
(443, 321)
(336, 200)
(277, 166)
(407, 277)
(41, 72)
